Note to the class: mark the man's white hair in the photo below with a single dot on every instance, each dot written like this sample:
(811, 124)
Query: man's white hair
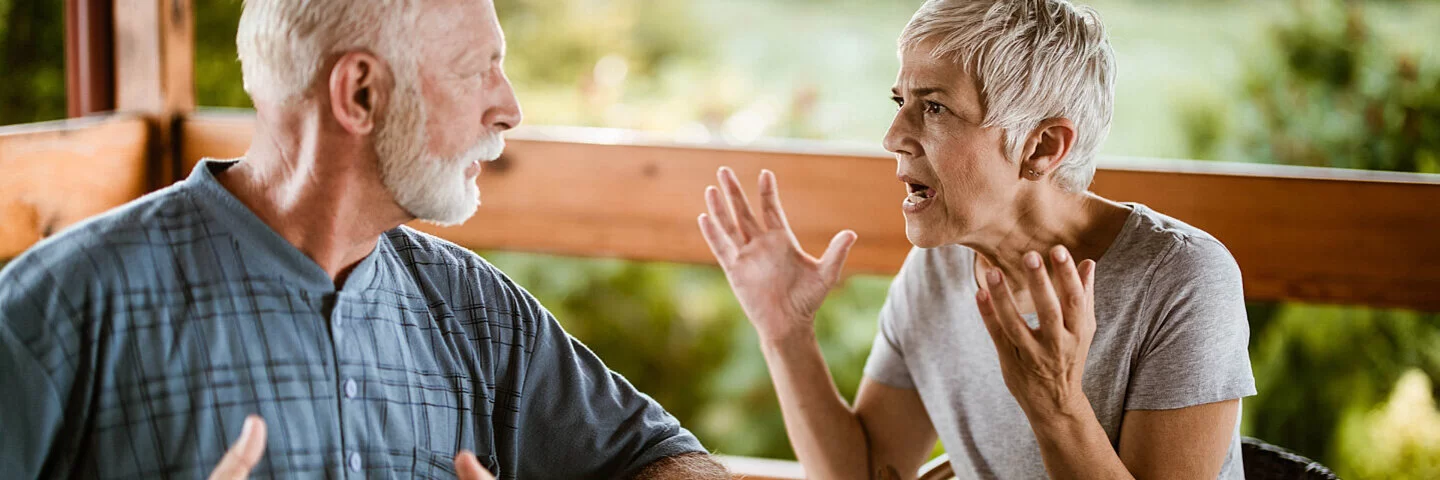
(1031, 60)
(284, 43)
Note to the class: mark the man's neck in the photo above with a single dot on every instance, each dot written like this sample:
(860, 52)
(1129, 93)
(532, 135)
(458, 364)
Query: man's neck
(319, 191)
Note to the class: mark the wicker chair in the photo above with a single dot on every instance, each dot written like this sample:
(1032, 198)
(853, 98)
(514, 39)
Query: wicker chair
(1263, 461)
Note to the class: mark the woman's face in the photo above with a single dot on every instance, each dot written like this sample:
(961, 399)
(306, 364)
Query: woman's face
(956, 172)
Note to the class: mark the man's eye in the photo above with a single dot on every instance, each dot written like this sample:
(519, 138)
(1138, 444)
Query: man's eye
(932, 107)
(899, 102)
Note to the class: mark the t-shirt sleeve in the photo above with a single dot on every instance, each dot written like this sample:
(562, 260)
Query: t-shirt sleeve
(1195, 352)
(578, 419)
(37, 346)
(887, 357)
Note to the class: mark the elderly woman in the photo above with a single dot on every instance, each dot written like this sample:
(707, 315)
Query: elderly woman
(1037, 328)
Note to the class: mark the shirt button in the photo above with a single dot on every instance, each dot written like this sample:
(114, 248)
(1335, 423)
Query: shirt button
(354, 461)
(350, 388)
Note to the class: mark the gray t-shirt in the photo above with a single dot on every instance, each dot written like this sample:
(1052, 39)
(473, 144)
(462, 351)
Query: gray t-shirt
(1171, 332)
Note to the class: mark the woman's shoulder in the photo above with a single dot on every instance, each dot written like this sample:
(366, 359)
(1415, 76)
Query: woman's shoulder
(1170, 256)
(1169, 243)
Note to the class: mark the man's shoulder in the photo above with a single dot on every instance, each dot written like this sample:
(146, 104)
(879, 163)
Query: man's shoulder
(421, 248)
(84, 251)
(61, 273)
(434, 256)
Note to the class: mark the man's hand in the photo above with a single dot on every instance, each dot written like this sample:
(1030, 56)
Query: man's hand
(244, 453)
(778, 285)
(467, 467)
(247, 450)
(1043, 367)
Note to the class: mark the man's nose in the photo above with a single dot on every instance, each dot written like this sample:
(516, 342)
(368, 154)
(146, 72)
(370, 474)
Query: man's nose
(506, 113)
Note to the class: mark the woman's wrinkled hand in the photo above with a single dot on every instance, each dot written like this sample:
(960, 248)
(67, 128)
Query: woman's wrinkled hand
(1043, 367)
(778, 285)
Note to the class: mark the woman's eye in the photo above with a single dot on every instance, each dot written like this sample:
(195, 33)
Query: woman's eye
(932, 107)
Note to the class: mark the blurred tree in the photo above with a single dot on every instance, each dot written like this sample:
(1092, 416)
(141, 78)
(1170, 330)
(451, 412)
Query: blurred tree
(32, 61)
(1331, 94)
(217, 66)
(676, 332)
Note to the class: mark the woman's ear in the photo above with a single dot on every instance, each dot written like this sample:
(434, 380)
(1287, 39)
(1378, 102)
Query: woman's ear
(1047, 146)
(359, 85)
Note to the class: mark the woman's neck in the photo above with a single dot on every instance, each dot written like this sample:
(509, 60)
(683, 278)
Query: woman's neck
(1084, 223)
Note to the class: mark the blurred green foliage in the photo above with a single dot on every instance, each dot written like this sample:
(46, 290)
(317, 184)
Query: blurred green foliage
(677, 333)
(1331, 93)
(1347, 386)
(32, 61)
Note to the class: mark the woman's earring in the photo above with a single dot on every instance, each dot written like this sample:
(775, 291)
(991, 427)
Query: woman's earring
(1034, 174)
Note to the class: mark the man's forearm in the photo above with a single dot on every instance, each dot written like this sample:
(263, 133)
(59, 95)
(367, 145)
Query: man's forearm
(828, 439)
(686, 466)
(1074, 445)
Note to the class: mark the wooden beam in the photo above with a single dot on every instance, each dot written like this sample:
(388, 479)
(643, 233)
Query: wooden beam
(58, 173)
(1313, 235)
(89, 58)
(154, 73)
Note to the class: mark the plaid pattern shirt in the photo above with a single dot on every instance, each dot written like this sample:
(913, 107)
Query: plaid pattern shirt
(134, 345)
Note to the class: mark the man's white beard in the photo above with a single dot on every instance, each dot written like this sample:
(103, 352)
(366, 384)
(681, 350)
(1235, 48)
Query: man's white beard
(429, 187)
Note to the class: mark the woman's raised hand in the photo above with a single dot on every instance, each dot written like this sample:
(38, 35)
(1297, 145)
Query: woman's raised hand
(778, 285)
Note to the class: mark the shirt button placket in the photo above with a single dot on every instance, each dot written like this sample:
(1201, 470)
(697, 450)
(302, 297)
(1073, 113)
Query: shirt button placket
(349, 389)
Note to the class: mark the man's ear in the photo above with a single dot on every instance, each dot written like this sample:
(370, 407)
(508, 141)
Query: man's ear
(359, 88)
(1047, 146)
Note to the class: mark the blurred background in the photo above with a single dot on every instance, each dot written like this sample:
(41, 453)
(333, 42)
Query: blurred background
(1326, 83)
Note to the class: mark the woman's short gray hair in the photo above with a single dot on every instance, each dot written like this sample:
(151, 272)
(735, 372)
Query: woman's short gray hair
(1031, 60)
(283, 43)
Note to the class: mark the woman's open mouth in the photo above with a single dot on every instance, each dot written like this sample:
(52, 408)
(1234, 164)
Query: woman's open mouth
(920, 196)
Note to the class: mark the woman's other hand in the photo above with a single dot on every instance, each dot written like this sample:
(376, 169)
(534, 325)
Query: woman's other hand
(1043, 366)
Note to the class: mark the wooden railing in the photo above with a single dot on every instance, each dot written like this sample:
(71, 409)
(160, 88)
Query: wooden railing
(1304, 234)
(1311, 235)
(57, 173)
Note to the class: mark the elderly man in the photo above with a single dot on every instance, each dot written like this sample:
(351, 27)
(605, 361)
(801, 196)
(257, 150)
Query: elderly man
(282, 287)
(1037, 329)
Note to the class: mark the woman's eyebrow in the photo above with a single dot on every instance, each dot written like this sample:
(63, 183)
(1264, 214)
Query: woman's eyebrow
(922, 91)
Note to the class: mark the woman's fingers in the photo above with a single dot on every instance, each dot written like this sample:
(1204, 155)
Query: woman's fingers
(770, 202)
(1042, 294)
(832, 262)
(992, 324)
(1007, 316)
(1073, 299)
(720, 212)
(730, 184)
(720, 244)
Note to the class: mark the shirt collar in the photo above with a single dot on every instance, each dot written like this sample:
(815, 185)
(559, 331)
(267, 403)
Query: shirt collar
(290, 263)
